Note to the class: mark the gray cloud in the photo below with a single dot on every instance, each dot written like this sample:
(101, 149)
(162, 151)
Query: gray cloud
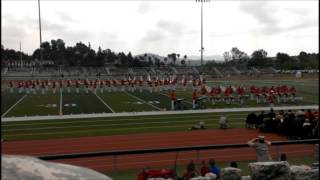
(266, 15)
(174, 28)
(65, 17)
(144, 8)
(154, 35)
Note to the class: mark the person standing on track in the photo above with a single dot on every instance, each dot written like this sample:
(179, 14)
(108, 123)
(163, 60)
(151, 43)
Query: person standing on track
(262, 148)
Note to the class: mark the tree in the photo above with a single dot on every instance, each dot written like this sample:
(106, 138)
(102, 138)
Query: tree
(258, 58)
(165, 60)
(282, 59)
(157, 62)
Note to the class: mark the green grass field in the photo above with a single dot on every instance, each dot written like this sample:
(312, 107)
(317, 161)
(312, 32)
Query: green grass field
(78, 103)
(48, 129)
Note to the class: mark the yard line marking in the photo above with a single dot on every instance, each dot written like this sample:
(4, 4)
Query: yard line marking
(60, 110)
(13, 105)
(104, 102)
(141, 100)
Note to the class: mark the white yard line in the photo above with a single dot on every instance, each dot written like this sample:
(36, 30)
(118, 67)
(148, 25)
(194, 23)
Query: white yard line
(104, 102)
(13, 106)
(152, 113)
(142, 100)
(60, 110)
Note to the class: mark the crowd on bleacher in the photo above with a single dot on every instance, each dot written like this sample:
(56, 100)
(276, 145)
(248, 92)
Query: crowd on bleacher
(300, 124)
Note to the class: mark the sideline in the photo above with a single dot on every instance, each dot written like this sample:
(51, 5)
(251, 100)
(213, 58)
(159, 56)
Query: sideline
(150, 113)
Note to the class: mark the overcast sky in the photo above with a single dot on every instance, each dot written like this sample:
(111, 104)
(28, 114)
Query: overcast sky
(163, 27)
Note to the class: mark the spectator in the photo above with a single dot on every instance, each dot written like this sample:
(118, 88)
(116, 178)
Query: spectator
(259, 121)
(271, 114)
(309, 115)
(233, 164)
(204, 169)
(223, 122)
(251, 120)
(213, 168)
(283, 157)
(200, 125)
(191, 171)
(306, 129)
(261, 147)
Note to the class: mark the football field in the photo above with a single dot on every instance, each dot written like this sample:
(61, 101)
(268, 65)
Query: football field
(15, 104)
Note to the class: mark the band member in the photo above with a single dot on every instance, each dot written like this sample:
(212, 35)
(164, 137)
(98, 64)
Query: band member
(54, 87)
(43, 87)
(26, 87)
(140, 84)
(271, 98)
(265, 91)
(228, 94)
(108, 85)
(77, 85)
(284, 90)
(240, 92)
(203, 90)
(252, 92)
(173, 99)
(257, 92)
(68, 85)
(101, 84)
(122, 83)
(194, 98)
(11, 86)
(292, 91)
(34, 87)
(279, 93)
(194, 84)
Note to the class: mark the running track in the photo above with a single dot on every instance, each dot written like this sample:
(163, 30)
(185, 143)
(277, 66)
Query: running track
(152, 140)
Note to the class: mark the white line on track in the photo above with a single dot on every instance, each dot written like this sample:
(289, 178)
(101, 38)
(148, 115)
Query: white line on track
(152, 113)
(13, 106)
(104, 102)
(142, 100)
(126, 119)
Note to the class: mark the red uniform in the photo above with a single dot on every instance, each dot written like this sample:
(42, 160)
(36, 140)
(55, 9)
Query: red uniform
(252, 89)
(240, 91)
(194, 95)
(173, 96)
(292, 90)
(203, 90)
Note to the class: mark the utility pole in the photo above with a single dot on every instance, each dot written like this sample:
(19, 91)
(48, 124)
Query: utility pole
(202, 48)
(40, 31)
(20, 54)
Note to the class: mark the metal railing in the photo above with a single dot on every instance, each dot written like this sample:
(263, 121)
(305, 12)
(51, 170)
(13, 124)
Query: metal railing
(115, 154)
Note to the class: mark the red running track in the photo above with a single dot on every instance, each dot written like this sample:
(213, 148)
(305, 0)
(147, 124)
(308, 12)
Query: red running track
(152, 140)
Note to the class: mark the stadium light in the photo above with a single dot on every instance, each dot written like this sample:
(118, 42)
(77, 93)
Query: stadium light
(40, 31)
(202, 48)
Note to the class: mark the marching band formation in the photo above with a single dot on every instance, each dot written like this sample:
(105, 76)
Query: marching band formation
(200, 90)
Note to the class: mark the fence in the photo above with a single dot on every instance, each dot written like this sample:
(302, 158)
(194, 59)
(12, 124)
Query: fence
(177, 150)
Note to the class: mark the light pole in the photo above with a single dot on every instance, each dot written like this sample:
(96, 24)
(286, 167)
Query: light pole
(202, 48)
(40, 31)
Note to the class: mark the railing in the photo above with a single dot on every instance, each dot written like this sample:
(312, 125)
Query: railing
(114, 154)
